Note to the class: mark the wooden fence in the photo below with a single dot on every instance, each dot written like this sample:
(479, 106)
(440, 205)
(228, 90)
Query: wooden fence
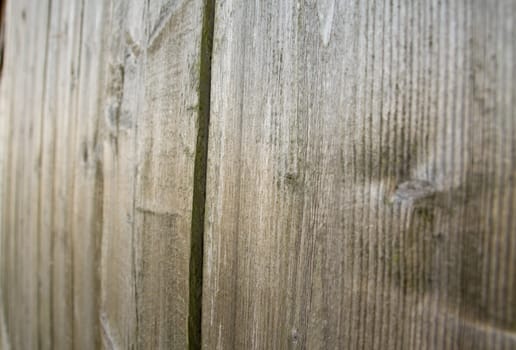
(282, 174)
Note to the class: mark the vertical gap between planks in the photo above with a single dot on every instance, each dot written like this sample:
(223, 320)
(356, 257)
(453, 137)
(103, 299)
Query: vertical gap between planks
(2, 33)
(199, 187)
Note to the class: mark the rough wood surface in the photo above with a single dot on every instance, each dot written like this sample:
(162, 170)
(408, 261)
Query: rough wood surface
(359, 177)
(360, 189)
(100, 113)
(149, 150)
(22, 101)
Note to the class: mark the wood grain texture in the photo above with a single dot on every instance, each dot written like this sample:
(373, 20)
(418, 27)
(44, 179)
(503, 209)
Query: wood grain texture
(21, 114)
(360, 187)
(149, 158)
(100, 113)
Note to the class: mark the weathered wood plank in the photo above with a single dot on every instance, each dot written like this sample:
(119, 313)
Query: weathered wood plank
(101, 109)
(88, 184)
(149, 157)
(164, 200)
(21, 121)
(361, 169)
(46, 229)
(118, 313)
(67, 19)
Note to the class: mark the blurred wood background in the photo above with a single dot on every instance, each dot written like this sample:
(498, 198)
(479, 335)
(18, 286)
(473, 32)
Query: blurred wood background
(222, 174)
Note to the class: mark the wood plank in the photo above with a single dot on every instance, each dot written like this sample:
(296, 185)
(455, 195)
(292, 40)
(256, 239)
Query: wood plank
(46, 230)
(88, 185)
(9, 167)
(21, 121)
(68, 25)
(101, 103)
(118, 313)
(164, 199)
(149, 145)
(360, 186)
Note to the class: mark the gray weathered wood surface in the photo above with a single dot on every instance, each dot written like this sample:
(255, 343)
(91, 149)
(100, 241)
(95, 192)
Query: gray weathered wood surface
(360, 176)
(99, 111)
(361, 166)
